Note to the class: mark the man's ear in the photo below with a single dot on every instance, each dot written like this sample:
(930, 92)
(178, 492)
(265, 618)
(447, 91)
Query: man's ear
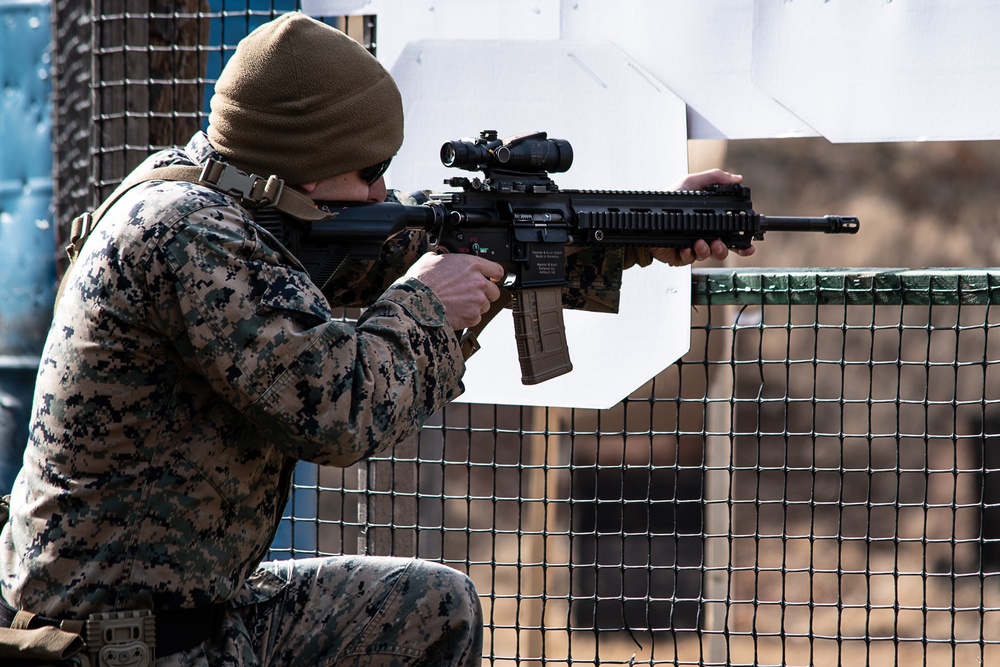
(308, 187)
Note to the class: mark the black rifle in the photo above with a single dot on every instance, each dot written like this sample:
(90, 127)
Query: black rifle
(516, 216)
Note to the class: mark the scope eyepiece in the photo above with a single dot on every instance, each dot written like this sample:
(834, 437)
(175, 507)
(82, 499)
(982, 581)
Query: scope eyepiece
(527, 153)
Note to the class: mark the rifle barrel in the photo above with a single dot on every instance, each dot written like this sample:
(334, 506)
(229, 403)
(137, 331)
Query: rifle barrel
(829, 224)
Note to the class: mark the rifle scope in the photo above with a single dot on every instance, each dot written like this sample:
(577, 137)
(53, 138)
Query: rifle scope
(526, 153)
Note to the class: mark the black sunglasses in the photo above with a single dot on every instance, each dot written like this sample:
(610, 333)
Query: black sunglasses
(371, 174)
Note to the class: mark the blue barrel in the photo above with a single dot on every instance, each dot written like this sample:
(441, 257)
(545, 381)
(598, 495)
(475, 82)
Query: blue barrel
(27, 232)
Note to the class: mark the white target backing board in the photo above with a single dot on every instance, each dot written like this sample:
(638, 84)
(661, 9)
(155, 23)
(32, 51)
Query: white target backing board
(628, 82)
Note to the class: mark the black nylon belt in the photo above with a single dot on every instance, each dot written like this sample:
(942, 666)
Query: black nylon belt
(177, 630)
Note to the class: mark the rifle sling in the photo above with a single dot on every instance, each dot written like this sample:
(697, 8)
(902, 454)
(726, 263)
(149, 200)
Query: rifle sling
(249, 189)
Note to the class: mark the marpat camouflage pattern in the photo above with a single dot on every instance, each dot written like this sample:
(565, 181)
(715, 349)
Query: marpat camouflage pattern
(190, 364)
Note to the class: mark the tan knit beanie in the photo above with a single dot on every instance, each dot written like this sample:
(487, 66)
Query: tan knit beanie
(302, 100)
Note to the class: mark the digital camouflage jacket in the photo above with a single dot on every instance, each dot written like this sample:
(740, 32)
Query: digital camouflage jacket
(189, 365)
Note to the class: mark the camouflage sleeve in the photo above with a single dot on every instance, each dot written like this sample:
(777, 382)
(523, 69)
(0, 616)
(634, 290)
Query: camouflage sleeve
(360, 282)
(264, 338)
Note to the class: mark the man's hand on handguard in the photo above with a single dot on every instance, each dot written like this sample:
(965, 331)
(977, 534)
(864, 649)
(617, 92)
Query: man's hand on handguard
(465, 284)
(701, 250)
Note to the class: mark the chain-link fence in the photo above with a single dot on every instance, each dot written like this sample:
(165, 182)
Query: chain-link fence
(810, 485)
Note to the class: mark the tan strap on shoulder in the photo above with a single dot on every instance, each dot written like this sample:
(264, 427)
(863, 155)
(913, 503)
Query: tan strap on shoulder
(250, 189)
(85, 223)
(258, 191)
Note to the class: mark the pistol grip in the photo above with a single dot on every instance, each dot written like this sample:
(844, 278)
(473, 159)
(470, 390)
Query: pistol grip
(540, 334)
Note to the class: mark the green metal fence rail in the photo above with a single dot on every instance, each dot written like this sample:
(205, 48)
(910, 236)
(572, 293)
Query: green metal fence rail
(863, 287)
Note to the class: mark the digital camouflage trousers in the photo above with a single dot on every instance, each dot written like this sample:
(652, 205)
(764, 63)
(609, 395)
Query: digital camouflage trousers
(347, 610)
